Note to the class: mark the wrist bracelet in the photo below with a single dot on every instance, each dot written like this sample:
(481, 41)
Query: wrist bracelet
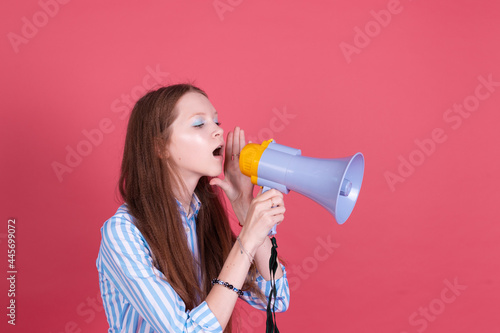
(243, 249)
(227, 285)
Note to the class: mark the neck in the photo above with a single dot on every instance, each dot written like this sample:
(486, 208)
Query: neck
(184, 192)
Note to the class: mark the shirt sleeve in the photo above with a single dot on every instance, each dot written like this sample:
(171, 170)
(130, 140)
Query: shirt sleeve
(127, 261)
(282, 293)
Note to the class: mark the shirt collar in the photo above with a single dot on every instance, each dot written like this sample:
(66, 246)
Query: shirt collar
(195, 206)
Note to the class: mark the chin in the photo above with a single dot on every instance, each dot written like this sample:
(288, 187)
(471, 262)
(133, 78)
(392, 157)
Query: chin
(215, 173)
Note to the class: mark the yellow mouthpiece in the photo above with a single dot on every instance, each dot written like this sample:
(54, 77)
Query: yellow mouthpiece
(250, 157)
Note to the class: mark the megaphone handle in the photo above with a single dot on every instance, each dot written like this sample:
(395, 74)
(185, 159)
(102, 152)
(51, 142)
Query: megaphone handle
(273, 230)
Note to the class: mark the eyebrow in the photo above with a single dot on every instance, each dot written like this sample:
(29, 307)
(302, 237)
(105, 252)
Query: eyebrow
(202, 113)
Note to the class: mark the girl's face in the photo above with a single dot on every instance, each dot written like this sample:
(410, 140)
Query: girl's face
(197, 142)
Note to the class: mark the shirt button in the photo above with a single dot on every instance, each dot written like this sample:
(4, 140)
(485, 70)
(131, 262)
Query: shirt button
(187, 229)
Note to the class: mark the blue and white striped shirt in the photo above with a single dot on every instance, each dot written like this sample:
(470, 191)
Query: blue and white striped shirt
(135, 295)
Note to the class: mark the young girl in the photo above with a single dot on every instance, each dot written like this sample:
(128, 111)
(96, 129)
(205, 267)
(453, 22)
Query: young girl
(168, 260)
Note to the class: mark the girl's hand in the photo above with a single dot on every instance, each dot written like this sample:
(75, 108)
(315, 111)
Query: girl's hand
(266, 210)
(237, 186)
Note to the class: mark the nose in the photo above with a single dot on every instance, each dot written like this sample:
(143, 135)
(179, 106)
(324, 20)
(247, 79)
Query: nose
(218, 131)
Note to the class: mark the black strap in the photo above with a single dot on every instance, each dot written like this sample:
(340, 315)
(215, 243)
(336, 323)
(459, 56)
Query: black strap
(271, 326)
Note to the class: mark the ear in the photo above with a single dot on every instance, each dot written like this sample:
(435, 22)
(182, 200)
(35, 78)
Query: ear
(161, 148)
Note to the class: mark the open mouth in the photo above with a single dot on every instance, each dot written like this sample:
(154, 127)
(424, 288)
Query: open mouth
(218, 151)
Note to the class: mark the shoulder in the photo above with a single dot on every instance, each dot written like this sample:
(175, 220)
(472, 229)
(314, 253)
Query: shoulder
(123, 248)
(121, 227)
(122, 213)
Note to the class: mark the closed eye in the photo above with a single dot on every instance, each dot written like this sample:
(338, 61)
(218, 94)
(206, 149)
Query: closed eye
(199, 123)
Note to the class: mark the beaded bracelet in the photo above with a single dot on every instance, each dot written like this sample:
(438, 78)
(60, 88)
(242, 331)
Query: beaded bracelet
(227, 285)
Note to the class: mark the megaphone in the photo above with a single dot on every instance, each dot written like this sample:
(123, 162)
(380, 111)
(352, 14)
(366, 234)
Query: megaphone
(332, 183)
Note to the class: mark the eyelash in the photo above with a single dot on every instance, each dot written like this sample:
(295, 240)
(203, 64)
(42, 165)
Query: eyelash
(201, 125)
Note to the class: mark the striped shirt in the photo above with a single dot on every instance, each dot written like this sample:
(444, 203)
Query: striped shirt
(136, 296)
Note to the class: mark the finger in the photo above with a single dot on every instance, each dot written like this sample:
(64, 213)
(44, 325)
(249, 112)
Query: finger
(279, 222)
(280, 217)
(242, 139)
(277, 211)
(277, 219)
(269, 194)
(229, 146)
(274, 201)
(215, 181)
(229, 143)
(278, 202)
(267, 199)
(219, 182)
(260, 191)
(275, 195)
(269, 207)
(236, 140)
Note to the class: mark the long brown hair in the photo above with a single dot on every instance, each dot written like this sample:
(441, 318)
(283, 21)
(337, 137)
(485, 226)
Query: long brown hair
(146, 184)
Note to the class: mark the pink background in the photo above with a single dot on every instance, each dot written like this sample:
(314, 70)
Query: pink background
(329, 77)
